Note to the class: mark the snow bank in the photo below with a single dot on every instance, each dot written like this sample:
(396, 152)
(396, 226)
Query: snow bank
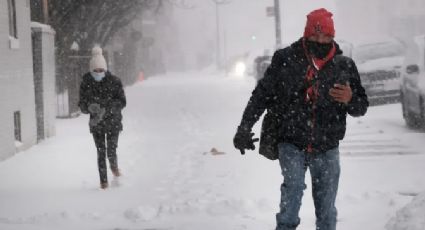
(42, 27)
(411, 217)
(141, 213)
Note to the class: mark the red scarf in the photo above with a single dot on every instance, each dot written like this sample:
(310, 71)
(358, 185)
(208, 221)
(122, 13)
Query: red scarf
(315, 65)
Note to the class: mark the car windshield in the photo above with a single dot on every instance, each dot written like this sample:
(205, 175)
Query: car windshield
(374, 51)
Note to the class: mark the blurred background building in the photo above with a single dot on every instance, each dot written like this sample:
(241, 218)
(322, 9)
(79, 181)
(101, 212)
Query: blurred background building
(365, 18)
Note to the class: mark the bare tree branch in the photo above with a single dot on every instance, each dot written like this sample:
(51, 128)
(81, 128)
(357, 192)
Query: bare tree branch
(183, 4)
(87, 22)
(221, 2)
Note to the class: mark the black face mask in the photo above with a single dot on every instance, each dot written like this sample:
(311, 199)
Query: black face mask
(318, 50)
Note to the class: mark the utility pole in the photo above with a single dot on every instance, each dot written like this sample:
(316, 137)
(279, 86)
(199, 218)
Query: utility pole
(217, 19)
(46, 11)
(225, 52)
(277, 24)
(217, 23)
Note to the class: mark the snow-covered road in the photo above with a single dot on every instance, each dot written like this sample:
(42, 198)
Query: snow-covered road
(172, 181)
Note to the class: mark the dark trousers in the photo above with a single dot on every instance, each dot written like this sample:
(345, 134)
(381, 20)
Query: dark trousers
(106, 144)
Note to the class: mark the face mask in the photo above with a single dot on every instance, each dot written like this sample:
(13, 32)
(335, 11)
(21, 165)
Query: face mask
(98, 76)
(318, 50)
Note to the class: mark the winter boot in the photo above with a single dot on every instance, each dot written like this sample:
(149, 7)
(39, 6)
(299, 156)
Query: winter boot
(116, 172)
(104, 185)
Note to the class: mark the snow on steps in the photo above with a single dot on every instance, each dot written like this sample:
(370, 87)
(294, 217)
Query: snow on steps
(411, 217)
(375, 147)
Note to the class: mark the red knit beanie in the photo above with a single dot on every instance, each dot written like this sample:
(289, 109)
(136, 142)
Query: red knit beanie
(319, 21)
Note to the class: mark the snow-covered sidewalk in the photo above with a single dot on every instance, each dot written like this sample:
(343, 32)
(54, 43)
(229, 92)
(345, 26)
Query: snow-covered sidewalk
(172, 180)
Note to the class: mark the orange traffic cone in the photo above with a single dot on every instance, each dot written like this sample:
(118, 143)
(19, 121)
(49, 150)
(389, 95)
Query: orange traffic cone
(141, 76)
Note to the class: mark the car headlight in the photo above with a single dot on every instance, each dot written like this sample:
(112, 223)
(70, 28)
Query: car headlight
(240, 68)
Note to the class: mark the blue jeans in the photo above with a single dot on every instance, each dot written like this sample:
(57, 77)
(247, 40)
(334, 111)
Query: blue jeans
(324, 169)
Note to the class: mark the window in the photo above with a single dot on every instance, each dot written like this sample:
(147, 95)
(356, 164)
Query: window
(17, 122)
(13, 32)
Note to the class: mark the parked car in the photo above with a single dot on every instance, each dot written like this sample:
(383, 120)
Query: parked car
(237, 65)
(379, 63)
(241, 65)
(412, 87)
(261, 63)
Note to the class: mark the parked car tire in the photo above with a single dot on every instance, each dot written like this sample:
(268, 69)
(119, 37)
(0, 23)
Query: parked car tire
(412, 120)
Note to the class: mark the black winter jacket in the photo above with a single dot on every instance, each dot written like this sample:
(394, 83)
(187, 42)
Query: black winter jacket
(282, 93)
(109, 94)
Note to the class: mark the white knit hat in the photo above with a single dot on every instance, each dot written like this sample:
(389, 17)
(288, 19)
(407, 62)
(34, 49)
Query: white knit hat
(97, 60)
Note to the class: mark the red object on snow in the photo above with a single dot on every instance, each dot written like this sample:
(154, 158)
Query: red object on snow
(319, 21)
(141, 76)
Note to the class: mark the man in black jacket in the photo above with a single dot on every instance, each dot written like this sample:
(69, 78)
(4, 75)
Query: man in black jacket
(309, 89)
(102, 96)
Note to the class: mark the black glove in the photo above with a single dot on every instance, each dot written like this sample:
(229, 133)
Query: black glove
(94, 108)
(97, 117)
(244, 140)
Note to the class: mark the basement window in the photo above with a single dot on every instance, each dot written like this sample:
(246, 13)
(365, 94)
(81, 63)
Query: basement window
(17, 124)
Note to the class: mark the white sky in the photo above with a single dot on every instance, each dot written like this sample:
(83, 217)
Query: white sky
(240, 20)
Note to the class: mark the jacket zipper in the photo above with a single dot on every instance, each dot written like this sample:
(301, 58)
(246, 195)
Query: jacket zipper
(313, 118)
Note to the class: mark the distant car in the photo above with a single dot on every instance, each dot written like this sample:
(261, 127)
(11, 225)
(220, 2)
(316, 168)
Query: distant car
(261, 63)
(412, 86)
(241, 65)
(236, 66)
(379, 64)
